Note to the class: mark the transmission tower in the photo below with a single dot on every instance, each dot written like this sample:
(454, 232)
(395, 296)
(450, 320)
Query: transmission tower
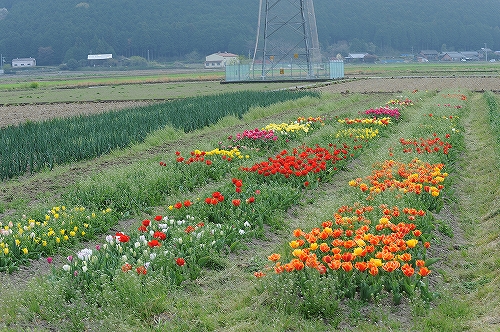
(286, 36)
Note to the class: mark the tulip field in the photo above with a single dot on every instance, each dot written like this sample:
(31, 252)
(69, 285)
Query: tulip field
(304, 211)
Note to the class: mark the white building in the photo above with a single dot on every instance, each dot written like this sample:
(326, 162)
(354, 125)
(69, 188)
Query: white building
(23, 62)
(220, 59)
(99, 56)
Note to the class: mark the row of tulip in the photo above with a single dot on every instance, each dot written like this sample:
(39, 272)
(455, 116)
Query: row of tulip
(30, 238)
(195, 232)
(366, 250)
(363, 250)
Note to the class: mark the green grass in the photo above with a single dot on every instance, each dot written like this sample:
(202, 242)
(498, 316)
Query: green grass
(232, 300)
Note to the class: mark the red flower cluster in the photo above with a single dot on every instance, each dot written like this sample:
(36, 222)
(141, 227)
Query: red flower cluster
(180, 261)
(300, 162)
(154, 243)
(215, 199)
(144, 225)
(237, 183)
(122, 237)
(179, 205)
(192, 228)
(141, 270)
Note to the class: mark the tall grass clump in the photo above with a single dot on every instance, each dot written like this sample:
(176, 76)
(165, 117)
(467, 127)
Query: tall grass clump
(31, 147)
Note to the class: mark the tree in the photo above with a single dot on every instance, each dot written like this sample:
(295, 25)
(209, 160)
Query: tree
(45, 55)
(72, 64)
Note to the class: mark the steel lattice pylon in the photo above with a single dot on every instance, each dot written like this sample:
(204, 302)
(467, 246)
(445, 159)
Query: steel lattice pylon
(286, 38)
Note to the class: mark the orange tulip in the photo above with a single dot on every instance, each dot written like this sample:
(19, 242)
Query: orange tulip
(408, 270)
(335, 264)
(347, 266)
(297, 264)
(274, 257)
(361, 266)
(373, 270)
(324, 247)
(391, 266)
(424, 271)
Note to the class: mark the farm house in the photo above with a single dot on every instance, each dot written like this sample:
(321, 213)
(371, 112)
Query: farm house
(23, 62)
(220, 59)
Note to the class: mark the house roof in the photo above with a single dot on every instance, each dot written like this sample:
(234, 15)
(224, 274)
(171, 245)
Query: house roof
(99, 56)
(454, 54)
(225, 54)
(470, 53)
(357, 55)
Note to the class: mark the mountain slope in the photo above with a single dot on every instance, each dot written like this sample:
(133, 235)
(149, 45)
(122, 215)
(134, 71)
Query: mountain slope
(55, 31)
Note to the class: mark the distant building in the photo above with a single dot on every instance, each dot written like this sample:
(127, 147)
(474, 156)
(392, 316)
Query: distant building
(471, 55)
(453, 56)
(23, 62)
(99, 56)
(355, 57)
(430, 55)
(220, 59)
(360, 57)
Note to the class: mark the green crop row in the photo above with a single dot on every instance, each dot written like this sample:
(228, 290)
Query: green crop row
(494, 112)
(31, 147)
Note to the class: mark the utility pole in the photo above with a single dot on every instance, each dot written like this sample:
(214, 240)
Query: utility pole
(486, 52)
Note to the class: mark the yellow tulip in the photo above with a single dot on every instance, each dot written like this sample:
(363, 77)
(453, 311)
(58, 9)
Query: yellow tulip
(357, 251)
(383, 221)
(412, 243)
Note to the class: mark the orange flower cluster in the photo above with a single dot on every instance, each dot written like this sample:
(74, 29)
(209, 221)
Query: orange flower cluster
(416, 176)
(455, 95)
(353, 243)
(429, 145)
(196, 156)
(302, 119)
(406, 102)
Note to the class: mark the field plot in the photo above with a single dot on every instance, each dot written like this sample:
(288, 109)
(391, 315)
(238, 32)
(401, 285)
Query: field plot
(371, 204)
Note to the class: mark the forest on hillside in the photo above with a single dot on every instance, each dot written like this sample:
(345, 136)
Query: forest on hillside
(56, 31)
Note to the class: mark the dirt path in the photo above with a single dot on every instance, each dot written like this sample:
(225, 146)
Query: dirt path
(14, 115)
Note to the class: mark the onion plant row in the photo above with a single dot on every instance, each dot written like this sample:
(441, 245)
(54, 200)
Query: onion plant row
(31, 147)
